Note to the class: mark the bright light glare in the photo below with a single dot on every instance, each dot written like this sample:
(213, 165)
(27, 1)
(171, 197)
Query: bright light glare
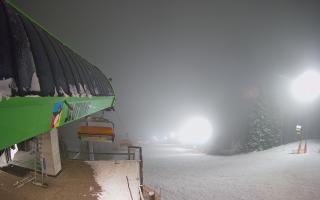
(195, 131)
(173, 135)
(306, 88)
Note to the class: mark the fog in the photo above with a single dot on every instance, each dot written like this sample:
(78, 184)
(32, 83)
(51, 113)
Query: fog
(170, 59)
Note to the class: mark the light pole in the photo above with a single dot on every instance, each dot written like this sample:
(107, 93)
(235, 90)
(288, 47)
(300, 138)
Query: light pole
(306, 89)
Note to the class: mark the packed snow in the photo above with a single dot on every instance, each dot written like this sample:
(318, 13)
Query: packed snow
(111, 176)
(180, 173)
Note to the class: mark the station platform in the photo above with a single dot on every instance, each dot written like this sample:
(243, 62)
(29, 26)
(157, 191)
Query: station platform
(79, 180)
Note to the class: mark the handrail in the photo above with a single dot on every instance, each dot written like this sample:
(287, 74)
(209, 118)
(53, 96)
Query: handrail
(112, 153)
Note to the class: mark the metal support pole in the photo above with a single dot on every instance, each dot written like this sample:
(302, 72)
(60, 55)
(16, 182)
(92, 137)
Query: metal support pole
(91, 153)
(141, 166)
(128, 153)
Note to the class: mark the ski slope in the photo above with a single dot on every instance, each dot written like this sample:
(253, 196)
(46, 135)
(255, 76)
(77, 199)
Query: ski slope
(268, 175)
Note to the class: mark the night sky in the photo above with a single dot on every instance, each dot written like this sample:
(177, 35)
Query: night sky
(173, 59)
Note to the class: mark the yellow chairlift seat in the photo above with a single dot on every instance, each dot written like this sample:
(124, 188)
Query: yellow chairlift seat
(97, 133)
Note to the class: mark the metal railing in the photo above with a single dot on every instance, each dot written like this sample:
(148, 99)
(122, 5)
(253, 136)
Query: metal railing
(130, 148)
(120, 155)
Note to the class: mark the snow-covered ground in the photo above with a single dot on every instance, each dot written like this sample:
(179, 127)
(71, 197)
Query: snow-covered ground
(112, 176)
(273, 174)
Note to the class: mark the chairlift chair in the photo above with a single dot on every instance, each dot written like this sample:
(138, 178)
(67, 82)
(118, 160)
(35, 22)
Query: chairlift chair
(97, 129)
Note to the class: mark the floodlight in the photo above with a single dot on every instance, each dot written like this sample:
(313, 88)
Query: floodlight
(306, 88)
(195, 131)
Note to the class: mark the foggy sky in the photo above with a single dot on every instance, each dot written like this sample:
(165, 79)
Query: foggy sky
(173, 59)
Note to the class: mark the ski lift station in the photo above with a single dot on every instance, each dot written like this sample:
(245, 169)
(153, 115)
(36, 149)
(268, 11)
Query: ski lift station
(56, 141)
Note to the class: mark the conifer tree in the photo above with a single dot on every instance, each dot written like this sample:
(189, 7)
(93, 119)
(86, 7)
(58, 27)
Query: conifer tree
(264, 126)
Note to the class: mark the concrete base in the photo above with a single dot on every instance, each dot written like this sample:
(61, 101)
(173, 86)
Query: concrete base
(50, 151)
(49, 147)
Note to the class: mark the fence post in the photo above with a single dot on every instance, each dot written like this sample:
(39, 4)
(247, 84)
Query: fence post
(128, 153)
(141, 165)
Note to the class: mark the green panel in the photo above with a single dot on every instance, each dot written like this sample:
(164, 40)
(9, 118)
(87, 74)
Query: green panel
(22, 118)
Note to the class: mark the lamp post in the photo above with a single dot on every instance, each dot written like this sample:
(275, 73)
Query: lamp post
(306, 89)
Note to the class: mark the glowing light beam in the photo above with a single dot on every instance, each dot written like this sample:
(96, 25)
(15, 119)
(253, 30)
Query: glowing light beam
(306, 88)
(195, 131)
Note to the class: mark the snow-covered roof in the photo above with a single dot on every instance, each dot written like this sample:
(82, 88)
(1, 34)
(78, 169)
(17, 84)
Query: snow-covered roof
(33, 62)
